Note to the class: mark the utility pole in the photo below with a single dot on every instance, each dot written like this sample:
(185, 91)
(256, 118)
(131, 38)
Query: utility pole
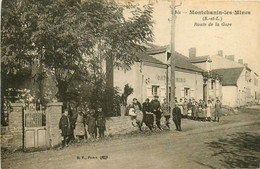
(173, 19)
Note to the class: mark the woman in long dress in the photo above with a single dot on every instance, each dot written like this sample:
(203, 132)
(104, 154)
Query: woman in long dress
(180, 105)
(148, 117)
(209, 107)
(80, 126)
(185, 108)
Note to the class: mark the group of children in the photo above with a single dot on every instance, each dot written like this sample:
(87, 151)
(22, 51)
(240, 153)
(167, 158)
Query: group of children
(205, 111)
(87, 123)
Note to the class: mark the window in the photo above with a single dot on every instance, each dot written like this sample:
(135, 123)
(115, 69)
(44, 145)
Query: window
(155, 90)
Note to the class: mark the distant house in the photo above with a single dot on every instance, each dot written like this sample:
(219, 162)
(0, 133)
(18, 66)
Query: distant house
(234, 86)
(233, 74)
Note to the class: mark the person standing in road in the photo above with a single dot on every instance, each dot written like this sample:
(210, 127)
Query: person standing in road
(86, 116)
(91, 121)
(101, 122)
(155, 105)
(196, 110)
(166, 112)
(204, 110)
(65, 126)
(176, 116)
(213, 102)
(80, 127)
(185, 108)
(148, 118)
(181, 106)
(209, 107)
(189, 107)
(218, 107)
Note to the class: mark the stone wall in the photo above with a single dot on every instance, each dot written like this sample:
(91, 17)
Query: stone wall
(119, 125)
(12, 135)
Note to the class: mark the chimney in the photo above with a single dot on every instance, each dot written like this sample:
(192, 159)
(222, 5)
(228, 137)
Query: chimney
(230, 57)
(240, 61)
(220, 53)
(192, 52)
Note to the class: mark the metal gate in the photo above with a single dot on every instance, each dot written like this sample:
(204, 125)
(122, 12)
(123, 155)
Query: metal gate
(34, 129)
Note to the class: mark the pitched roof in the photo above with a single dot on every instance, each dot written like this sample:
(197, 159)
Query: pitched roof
(229, 76)
(182, 61)
(156, 49)
(146, 58)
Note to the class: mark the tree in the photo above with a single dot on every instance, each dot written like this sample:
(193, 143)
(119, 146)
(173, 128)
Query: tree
(128, 90)
(121, 39)
(73, 38)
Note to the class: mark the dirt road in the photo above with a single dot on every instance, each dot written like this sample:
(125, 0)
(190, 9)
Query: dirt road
(232, 143)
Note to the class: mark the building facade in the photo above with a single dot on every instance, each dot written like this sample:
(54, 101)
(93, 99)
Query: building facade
(150, 76)
(240, 83)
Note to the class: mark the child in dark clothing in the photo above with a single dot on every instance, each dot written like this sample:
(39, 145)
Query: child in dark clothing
(101, 123)
(65, 126)
(91, 121)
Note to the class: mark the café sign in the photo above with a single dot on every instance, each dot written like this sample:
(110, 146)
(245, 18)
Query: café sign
(163, 78)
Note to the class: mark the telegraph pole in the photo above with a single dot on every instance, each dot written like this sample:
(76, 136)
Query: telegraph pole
(173, 19)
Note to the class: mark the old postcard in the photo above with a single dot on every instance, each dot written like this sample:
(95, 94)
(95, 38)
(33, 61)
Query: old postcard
(130, 84)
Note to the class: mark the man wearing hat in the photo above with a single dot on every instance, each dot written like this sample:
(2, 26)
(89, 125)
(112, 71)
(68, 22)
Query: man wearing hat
(155, 109)
(176, 116)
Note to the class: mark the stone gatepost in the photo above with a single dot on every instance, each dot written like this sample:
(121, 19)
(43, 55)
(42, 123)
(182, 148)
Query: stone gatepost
(53, 114)
(16, 126)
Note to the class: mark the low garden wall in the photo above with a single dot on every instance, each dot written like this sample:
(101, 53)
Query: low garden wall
(119, 125)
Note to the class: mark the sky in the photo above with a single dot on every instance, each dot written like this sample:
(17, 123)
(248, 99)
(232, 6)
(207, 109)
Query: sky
(241, 39)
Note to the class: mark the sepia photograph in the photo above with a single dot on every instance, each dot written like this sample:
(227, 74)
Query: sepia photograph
(130, 84)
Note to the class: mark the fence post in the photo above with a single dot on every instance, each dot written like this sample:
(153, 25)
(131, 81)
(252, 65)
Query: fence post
(16, 126)
(53, 114)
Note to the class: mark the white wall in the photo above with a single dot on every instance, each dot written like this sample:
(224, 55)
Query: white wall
(229, 96)
(243, 89)
(143, 76)
(219, 62)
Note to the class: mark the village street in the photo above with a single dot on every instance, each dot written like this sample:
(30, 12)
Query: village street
(232, 143)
